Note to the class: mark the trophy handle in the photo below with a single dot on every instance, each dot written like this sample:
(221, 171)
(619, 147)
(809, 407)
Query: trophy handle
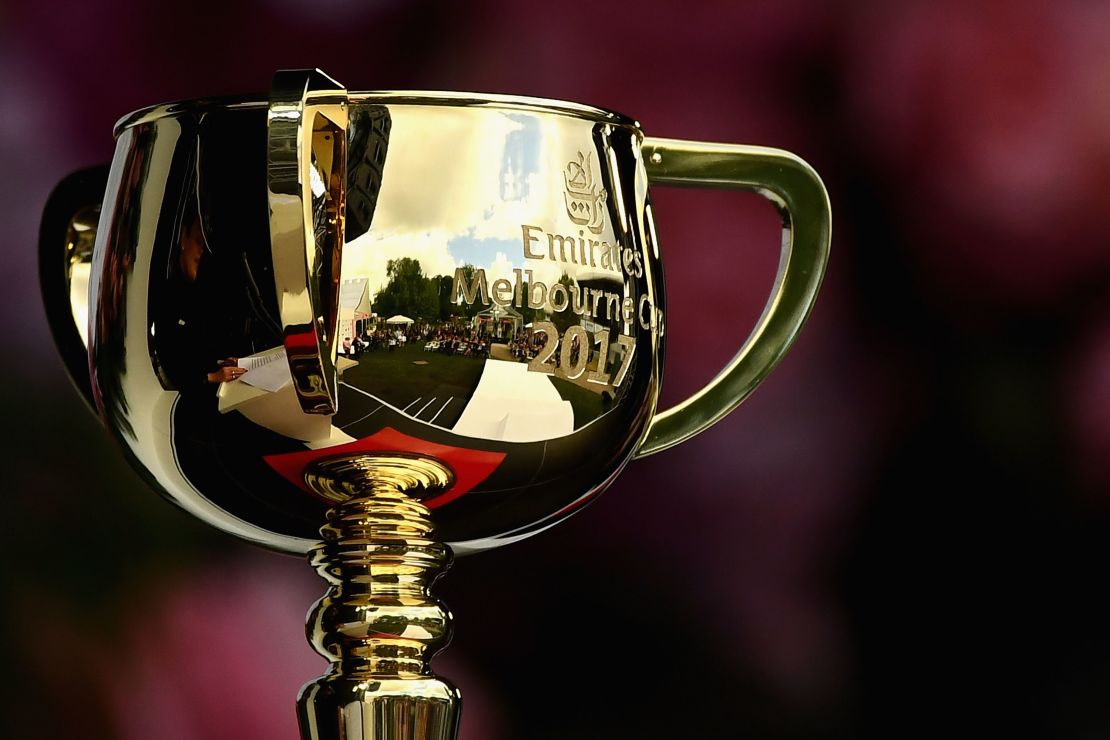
(306, 181)
(66, 238)
(800, 197)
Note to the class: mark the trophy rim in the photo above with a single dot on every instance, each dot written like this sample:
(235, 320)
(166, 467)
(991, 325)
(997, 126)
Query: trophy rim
(396, 97)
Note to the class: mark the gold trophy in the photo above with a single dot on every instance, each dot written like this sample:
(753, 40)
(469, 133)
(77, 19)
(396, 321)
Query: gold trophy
(213, 294)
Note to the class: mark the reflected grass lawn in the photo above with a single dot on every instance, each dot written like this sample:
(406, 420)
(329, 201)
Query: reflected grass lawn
(401, 376)
(396, 379)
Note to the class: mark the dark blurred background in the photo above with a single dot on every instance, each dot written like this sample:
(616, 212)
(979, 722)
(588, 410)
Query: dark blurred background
(904, 533)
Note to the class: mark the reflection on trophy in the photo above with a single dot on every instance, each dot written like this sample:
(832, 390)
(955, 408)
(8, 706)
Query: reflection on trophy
(384, 328)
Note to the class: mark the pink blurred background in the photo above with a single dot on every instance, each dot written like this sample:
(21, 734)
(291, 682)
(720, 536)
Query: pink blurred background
(903, 533)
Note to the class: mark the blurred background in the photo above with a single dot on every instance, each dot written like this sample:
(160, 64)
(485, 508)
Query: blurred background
(905, 532)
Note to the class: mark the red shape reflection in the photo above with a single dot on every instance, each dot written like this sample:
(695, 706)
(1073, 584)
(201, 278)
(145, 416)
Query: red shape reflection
(471, 467)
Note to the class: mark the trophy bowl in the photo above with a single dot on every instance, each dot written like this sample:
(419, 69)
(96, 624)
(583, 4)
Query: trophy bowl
(381, 328)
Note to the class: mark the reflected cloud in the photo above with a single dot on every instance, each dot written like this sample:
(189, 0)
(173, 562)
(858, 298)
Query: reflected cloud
(479, 218)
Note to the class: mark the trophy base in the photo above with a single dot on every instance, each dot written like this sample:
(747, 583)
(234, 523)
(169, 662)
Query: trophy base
(378, 624)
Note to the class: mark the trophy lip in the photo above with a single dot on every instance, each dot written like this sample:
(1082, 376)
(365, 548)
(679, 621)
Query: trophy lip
(395, 97)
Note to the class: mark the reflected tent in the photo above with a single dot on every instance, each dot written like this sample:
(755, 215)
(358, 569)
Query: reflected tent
(500, 321)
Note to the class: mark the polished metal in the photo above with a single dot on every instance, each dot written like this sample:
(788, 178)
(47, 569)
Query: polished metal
(306, 172)
(325, 305)
(70, 218)
(378, 625)
(800, 198)
(80, 240)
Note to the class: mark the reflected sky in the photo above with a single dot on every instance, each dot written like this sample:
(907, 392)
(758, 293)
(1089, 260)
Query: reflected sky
(478, 218)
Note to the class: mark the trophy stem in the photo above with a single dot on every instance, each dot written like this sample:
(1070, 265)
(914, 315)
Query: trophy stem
(378, 623)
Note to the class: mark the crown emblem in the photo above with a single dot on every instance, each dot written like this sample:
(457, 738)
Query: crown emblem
(585, 202)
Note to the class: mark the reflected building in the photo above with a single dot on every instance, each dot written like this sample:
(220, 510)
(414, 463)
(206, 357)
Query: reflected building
(354, 308)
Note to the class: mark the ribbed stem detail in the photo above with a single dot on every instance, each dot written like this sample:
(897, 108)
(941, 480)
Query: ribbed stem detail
(378, 624)
(379, 617)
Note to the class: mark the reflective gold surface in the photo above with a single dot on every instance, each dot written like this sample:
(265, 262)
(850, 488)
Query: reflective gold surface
(306, 172)
(80, 240)
(378, 625)
(544, 373)
(249, 346)
(800, 198)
